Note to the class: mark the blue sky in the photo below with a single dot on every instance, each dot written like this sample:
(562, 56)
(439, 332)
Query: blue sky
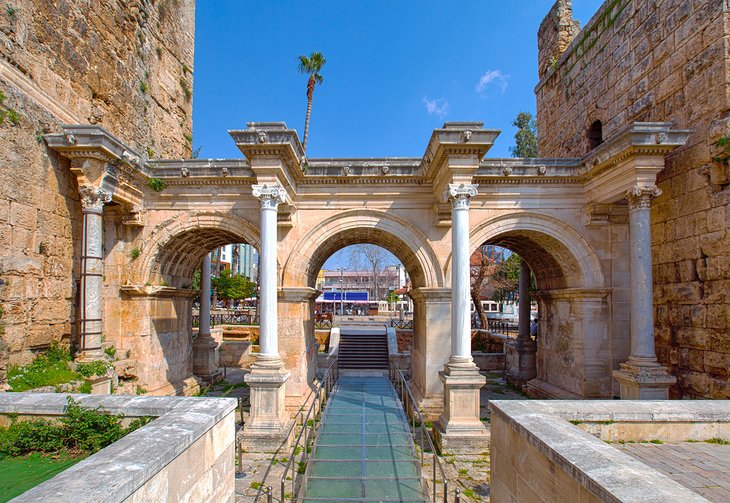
(395, 71)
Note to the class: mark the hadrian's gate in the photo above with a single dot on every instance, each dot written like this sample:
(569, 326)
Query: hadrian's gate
(574, 221)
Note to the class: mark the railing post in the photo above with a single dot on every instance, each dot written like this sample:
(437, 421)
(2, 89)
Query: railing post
(283, 487)
(434, 477)
(458, 496)
(270, 496)
(446, 491)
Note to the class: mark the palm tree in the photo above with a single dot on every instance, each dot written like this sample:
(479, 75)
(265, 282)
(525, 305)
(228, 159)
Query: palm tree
(311, 65)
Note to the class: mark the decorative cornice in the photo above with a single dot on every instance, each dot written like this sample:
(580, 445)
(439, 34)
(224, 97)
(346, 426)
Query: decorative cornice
(515, 180)
(456, 139)
(641, 196)
(635, 139)
(157, 291)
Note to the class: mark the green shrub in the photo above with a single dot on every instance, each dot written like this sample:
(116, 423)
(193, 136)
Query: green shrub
(156, 184)
(135, 252)
(110, 351)
(92, 369)
(81, 430)
(89, 430)
(22, 437)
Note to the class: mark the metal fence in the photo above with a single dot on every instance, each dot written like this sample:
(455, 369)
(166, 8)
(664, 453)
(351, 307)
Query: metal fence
(498, 326)
(229, 319)
(402, 324)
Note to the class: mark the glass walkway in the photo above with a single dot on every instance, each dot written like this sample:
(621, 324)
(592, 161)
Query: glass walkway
(364, 449)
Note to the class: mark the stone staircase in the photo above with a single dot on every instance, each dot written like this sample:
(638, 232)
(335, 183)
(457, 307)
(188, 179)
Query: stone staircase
(363, 349)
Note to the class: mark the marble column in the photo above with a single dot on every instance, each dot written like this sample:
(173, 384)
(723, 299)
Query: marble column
(642, 377)
(522, 365)
(92, 271)
(206, 359)
(459, 429)
(268, 424)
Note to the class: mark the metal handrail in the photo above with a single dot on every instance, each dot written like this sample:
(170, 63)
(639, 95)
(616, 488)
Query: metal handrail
(308, 430)
(410, 405)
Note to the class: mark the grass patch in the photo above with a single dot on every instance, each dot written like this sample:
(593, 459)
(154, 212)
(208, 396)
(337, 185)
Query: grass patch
(656, 441)
(48, 369)
(718, 441)
(18, 474)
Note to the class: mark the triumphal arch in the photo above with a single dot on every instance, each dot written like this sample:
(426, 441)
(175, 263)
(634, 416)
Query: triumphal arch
(581, 224)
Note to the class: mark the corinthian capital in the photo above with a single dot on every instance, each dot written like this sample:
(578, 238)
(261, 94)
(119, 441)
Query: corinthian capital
(93, 198)
(269, 195)
(640, 196)
(461, 194)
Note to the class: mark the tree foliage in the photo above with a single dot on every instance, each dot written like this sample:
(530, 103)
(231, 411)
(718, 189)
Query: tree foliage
(376, 259)
(311, 65)
(494, 275)
(526, 136)
(231, 286)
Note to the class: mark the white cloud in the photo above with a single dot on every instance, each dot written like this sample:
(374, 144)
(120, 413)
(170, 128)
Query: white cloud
(489, 77)
(436, 106)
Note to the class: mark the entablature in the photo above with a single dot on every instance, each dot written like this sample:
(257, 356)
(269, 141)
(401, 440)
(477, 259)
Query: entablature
(631, 157)
(100, 159)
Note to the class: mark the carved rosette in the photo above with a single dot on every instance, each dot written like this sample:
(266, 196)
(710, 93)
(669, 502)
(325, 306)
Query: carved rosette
(461, 194)
(270, 196)
(93, 198)
(641, 196)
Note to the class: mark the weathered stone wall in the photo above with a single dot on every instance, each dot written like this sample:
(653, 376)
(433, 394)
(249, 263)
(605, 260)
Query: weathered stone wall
(659, 60)
(125, 65)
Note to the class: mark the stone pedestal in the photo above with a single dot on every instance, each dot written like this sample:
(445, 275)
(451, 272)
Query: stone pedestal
(523, 364)
(206, 361)
(101, 385)
(644, 380)
(268, 427)
(459, 429)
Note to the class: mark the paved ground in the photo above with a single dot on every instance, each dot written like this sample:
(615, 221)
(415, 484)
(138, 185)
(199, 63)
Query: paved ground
(701, 467)
(469, 473)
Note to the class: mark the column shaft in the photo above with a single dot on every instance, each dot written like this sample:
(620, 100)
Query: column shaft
(268, 338)
(205, 297)
(642, 286)
(460, 298)
(92, 270)
(523, 331)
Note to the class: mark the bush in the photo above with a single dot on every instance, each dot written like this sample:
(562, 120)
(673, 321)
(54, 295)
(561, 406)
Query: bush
(81, 431)
(22, 437)
(90, 430)
(91, 369)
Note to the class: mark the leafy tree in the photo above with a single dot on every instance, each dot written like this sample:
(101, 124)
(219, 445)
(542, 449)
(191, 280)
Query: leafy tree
(526, 136)
(231, 286)
(375, 258)
(492, 276)
(311, 65)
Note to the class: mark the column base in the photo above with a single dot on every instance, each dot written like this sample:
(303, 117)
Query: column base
(206, 359)
(644, 379)
(521, 366)
(459, 429)
(268, 426)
